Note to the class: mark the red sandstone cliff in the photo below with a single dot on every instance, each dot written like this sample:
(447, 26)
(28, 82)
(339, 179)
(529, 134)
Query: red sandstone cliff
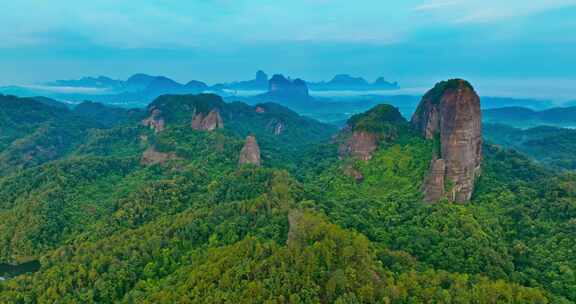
(450, 113)
(250, 153)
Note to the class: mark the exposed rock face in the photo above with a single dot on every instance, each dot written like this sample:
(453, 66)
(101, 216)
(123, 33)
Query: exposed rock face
(451, 112)
(155, 121)
(250, 153)
(152, 157)
(365, 132)
(361, 145)
(210, 122)
(276, 126)
(434, 183)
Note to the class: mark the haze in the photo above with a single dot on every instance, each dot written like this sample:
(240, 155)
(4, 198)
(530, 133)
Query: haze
(511, 44)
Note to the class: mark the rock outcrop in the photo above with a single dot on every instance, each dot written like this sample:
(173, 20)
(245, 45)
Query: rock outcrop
(209, 122)
(361, 145)
(250, 153)
(450, 113)
(155, 121)
(434, 183)
(276, 126)
(152, 157)
(365, 132)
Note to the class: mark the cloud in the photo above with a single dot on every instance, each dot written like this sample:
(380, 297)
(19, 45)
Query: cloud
(206, 23)
(435, 5)
(224, 24)
(486, 11)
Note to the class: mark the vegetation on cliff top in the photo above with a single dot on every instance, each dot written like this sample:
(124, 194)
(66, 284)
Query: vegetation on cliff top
(199, 228)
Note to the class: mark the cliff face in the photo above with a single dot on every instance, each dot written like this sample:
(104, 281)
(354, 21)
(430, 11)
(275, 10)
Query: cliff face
(155, 121)
(361, 145)
(434, 183)
(275, 126)
(209, 122)
(450, 113)
(366, 131)
(250, 153)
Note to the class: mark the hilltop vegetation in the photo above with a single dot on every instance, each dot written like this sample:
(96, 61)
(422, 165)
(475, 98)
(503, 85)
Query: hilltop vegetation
(551, 146)
(194, 226)
(521, 117)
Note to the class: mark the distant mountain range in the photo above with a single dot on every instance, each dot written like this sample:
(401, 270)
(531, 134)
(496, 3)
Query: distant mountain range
(139, 82)
(551, 146)
(350, 83)
(140, 89)
(526, 118)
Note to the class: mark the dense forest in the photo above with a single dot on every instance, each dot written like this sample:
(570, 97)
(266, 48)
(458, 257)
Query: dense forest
(143, 206)
(551, 146)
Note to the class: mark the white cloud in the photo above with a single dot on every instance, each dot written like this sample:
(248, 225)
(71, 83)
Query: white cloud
(435, 5)
(226, 23)
(484, 11)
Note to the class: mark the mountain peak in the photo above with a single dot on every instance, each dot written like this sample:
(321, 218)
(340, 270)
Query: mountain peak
(280, 85)
(450, 113)
(366, 131)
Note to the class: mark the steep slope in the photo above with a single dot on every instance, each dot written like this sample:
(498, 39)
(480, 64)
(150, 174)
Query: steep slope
(34, 132)
(450, 114)
(198, 227)
(364, 132)
(250, 154)
(282, 134)
(487, 236)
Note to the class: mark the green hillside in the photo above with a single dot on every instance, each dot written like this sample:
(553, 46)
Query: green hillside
(125, 214)
(551, 146)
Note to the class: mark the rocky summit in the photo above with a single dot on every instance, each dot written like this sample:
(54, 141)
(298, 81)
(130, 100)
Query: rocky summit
(364, 132)
(250, 153)
(450, 114)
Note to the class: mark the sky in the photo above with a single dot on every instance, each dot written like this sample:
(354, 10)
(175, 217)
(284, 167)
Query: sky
(412, 41)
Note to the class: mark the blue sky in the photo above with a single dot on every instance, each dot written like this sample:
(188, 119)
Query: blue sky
(219, 40)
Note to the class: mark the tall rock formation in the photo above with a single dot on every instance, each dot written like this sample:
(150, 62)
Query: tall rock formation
(250, 153)
(450, 113)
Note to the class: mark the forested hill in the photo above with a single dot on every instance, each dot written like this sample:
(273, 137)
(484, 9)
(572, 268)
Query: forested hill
(527, 118)
(551, 146)
(157, 207)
